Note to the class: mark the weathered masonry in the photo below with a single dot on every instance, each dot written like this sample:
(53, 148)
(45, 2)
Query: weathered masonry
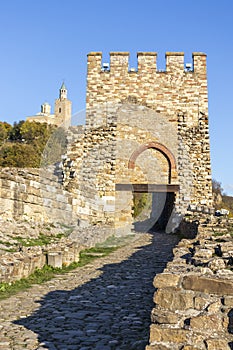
(146, 139)
(146, 131)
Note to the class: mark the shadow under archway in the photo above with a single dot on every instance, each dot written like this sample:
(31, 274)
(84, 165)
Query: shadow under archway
(108, 312)
(155, 216)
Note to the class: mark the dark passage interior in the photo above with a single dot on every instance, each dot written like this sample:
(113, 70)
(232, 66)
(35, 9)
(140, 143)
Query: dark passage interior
(152, 211)
(165, 203)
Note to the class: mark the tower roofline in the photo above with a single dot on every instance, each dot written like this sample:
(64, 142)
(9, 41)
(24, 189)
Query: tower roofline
(63, 87)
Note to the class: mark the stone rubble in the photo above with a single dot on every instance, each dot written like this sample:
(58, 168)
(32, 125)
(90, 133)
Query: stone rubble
(194, 298)
(65, 243)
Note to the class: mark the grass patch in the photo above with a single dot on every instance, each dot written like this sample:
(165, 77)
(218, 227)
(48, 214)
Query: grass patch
(219, 234)
(47, 272)
(87, 255)
(60, 235)
(31, 242)
(39, 241)
(11, 250)
(7, 244)
(38, 277)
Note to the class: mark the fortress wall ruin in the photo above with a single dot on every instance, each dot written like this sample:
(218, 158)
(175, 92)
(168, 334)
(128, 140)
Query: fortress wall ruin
(128, 109)
(34, 194)
(143, 126)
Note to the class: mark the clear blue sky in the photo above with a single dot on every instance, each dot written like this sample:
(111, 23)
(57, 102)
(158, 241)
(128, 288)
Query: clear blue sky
(46, 41)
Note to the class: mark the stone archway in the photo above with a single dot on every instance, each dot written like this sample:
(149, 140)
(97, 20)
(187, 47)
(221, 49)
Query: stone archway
(161, 148)
(162, 195)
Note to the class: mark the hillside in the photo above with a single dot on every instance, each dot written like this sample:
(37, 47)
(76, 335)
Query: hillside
(221, 200)
(22, 144)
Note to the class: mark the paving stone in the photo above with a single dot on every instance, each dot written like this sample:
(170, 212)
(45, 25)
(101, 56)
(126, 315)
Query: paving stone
(105, 305)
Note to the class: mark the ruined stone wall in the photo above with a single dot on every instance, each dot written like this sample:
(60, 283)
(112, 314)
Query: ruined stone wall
(17, 265)
(194, 162)
(194, 298)
(62, 252)
(34, 194)
(87, 171)
(143, 126)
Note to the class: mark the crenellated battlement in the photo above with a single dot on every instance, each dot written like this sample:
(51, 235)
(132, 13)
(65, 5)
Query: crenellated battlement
(180, 86)
(146, 62)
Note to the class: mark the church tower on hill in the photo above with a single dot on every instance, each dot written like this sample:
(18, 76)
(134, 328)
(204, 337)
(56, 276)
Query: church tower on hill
(62, 111)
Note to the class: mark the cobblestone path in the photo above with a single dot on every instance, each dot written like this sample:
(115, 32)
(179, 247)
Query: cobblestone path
(103, 306)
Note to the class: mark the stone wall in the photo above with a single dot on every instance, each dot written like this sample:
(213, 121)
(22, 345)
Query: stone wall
(24, 260)
(164, 114)
(168, 92)
(34, 194)
(194, 298)
(179, 96)
(143, 126)
(92, 156)
(14, 266)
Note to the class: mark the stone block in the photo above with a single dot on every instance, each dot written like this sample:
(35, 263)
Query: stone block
(55, 259)
(216, 264)
(157, 347)
(201, 302)
(215, 307)
(217, 344)
(207, 285)
(164, 280)
(164, 317)
(203, 253)
(174, 299)
(228, 301)
(207, 323)
(170, 335)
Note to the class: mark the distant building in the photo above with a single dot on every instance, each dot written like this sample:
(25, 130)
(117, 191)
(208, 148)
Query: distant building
(62, 111)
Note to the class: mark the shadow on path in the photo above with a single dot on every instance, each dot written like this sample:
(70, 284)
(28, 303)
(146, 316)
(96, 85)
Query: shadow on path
(108, 312)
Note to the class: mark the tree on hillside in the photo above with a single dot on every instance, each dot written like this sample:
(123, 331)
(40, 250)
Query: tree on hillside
(217, 187)
(228, 203)
(36, 134)
(5, 129)
(19, 155)
(24, 144)
(15, 134)
(221, 200)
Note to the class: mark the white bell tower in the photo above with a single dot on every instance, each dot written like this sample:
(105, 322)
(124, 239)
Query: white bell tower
(63, 92)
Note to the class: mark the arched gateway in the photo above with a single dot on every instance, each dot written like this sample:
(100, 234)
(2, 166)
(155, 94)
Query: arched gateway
(146, 131)
(159, 200)
(161, 148)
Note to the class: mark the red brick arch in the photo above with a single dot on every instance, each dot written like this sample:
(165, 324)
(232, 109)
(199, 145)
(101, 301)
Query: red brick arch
(158, 146)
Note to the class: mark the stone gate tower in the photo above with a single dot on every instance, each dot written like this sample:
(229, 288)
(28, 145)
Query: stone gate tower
(146, 131)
